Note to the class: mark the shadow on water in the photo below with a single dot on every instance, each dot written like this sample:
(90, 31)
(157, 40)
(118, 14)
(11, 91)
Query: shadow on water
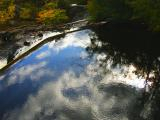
(132, 43)
(122, 92)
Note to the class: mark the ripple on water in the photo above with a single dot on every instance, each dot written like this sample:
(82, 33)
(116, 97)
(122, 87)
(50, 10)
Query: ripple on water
(62, 80)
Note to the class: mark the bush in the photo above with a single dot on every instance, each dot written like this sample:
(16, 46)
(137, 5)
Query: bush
(51, 5)
(81, 2)
(147, 11)
(121, 10)
(4, 4)
(8, 14)
(63, 4)
(52, 16)
(104, 9)
(27, 11)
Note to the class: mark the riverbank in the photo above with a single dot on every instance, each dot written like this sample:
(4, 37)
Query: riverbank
(22, 33)
(39, 34)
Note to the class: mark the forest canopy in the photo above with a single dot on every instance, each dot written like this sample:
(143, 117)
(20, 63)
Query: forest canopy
(40, 11)
(146, 11)
(56, 11)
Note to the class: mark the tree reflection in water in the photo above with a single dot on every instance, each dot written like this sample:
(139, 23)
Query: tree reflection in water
(132, 44)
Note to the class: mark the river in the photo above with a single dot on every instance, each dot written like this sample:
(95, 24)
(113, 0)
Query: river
(71, 79)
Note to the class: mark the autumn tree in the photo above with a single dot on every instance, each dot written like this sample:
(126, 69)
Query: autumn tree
(7, 11)
(52, 14)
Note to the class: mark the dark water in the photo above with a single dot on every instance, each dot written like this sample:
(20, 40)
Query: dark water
(73, 78)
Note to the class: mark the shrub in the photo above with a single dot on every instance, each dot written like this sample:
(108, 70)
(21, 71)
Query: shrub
(104, 9)
(122, 10)
(51, 5)
(147, 11)
(8, 14)
(27, 11)
(52, 16)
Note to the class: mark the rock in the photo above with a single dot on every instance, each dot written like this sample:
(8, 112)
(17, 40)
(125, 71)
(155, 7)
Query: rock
(77, 12)
(40, 35)
(10, 56)
(27, 43)
(12, 22)
(6, 36)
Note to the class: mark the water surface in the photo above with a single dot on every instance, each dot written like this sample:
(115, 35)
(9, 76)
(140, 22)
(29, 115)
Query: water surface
(64, 80)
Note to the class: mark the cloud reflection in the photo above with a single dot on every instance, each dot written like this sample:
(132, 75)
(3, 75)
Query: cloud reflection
(98, 92)
(31, 71)
(94, 100)
(77, 39)
(43, 55)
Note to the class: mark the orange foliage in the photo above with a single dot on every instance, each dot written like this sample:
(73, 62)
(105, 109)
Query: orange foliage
(52, 16)
(8, 14)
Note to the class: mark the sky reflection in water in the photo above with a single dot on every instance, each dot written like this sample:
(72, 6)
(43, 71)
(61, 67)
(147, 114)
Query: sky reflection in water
(62, 81)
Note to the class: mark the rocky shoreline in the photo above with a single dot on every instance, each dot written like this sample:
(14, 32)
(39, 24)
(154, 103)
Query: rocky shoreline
(17, 39)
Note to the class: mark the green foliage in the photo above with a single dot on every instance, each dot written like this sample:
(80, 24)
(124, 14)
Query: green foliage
(120, 10)
(51, 5)
(55, 16)
(148, 11)
(81, 2)
(104, 9)
(51, 14)
(27, 11)
(43, 11)
(63, 4)
(7, 13)
(4, 4)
